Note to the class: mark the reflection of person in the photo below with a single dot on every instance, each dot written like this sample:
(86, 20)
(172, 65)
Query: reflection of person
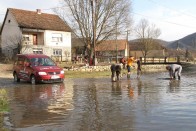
(173, 69)
(130, 90)
(174, 86)
(115, 69)
(116, 88)
(138, 68)
(130, 61)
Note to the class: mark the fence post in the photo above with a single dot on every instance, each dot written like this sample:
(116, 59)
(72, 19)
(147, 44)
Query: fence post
(165, 60)
(178, 59)
(141, 59)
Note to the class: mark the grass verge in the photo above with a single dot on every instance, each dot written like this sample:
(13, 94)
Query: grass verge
(80, 74)
(94, 74)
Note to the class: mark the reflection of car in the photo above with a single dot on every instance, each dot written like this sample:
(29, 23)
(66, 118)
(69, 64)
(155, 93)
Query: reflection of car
(37, 68)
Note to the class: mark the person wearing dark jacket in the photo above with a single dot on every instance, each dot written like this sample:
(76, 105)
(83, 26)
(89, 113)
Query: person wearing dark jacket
(173, 70)
(123, 61)
(116, 71)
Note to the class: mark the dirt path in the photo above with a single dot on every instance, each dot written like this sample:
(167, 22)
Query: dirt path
(6, 70)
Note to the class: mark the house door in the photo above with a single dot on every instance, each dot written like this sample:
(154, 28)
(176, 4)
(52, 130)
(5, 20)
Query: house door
(34, 39)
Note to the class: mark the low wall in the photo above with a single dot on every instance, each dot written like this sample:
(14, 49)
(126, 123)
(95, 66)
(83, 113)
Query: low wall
(107, 68)
(8, 67)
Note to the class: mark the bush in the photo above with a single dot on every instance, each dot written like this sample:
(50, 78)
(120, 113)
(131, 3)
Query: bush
(3, 100)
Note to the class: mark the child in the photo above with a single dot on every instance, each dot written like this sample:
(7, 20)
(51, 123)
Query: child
(138, 69)
(130, 61)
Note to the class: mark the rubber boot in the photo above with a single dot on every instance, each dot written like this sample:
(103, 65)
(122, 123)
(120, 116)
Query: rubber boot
(178, 77)
(128, 75)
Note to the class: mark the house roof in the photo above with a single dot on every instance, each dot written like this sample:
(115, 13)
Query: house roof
(111, 45)
(34, 20)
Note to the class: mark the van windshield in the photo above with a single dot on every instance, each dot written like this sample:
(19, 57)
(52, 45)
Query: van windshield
(42, 62)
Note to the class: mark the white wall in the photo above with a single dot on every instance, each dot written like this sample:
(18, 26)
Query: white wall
(65, 45)
(10, 35)
(66, 39)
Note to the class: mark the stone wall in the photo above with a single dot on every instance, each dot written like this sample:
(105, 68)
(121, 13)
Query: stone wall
(8, 67)
(107, 68)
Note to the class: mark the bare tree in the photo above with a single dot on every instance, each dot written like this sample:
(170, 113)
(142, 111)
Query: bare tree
(96, 20)
(17, 44)
(0, 25)
(146, 34)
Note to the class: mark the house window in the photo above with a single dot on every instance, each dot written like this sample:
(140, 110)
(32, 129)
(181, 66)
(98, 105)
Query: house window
(26, 38)
(37, 51)
(57, 52)
(57, 37)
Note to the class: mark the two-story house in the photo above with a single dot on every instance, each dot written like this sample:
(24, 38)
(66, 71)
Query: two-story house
(26, 31)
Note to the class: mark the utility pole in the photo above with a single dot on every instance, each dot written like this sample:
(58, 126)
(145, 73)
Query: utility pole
(116, 38)
(94, 32)
(116, 46)
(128, 50)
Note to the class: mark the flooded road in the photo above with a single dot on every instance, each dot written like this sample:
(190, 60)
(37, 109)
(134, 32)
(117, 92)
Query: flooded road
(152, 102)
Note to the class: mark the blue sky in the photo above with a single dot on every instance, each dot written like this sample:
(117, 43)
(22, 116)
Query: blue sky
(175, 18)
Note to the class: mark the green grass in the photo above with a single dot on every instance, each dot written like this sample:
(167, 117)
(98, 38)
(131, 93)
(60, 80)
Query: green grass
(80, 74)
(3, 100)
(85, 74)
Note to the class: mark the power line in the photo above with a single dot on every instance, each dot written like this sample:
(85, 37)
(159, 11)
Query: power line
(54, 8)
(166, 21)
(172, 9)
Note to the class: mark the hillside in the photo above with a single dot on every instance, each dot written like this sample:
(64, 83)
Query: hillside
(157, 42)
(187, 42)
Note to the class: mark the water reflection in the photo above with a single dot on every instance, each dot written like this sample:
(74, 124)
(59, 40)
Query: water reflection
(152, 102)
(139, 86)
(174, 86)
(116, 88)
(41, 104)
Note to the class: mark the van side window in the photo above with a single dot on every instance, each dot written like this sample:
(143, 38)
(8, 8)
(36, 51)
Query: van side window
(26, 61)
(20, 61)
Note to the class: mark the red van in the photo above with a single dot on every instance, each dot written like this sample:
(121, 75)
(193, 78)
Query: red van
(37, 68)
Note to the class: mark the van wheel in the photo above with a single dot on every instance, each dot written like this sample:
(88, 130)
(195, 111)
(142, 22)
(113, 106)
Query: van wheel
(16, 79)
(33, 82)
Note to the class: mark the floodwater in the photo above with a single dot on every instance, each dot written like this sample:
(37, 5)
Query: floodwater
(150, 103)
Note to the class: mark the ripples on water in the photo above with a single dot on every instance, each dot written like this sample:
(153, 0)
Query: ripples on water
(152, 102)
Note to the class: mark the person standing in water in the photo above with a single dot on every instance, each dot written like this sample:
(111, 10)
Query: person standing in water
(138, 68)
(130, 62)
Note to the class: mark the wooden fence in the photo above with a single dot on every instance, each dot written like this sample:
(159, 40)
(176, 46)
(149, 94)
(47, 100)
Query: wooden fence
(163, 60)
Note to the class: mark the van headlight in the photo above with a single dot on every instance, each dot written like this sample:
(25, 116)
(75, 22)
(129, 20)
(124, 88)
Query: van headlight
(42, 73)
(62, 72)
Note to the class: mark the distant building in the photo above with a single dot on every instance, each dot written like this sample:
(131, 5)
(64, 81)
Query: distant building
(110, 49)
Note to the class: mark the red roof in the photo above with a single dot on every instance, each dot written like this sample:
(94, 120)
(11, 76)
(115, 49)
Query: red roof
(34, 20)
(111, 45)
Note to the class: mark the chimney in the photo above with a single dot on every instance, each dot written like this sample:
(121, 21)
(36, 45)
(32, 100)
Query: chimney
(38, 11)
